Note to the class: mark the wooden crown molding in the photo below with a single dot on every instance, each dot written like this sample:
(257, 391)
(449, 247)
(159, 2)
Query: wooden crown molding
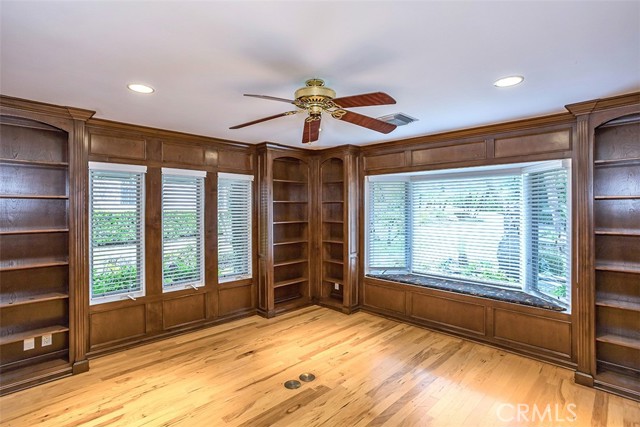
(594, 105)
(152, 132)
(478, 132)
(45, 109)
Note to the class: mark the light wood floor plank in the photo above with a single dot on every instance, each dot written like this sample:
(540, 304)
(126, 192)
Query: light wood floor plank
(370, 372)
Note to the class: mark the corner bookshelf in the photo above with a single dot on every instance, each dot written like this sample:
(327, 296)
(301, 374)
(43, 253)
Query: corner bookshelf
(332, 233)
(34, 252)
(338, 225)
(616, 209)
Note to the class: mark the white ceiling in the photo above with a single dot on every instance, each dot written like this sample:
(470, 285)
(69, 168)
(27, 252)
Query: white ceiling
(437, 59)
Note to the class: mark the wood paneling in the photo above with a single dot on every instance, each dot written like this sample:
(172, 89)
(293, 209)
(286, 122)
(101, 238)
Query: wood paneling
(118, 147)
(531, 331)
(384, 161)
(453, 153)
(535, 331)
(234, 300)
(449, 313)
(385, 298)
(117, 325)
(533, 144)
(183, 310)
(235, 160)
(186, 154)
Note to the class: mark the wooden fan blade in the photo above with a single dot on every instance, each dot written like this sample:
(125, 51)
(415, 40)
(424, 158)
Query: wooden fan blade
(311, 131)
(272, 98)
(264, 119)
(365, 100)
(367, 122)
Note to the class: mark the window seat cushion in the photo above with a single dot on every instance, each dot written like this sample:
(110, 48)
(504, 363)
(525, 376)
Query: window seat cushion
(467, 288)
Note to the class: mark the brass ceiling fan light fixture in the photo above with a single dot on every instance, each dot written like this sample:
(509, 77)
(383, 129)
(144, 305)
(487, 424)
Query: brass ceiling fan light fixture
(315, 98)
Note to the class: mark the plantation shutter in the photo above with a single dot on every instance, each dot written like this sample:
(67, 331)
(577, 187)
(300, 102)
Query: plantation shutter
(547, 195)
(388, 240)
(116, 222)
(234, 226)
(182, 228)
(468, 227)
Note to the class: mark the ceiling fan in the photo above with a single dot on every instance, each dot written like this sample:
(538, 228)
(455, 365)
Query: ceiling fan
(315, 98)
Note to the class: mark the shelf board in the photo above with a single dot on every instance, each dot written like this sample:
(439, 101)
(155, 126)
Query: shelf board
(332, 280)
(48, 364)
(618, 380)
(33, 231)
(332, 241)
(291, 242)
(289, 282)
(333, 222)
(290, 262)
(32, 263)
(620, 197)
(31, 196)
(619, 340)
(628, 267)
(22, 162)
(617, 232)
(333, 201)
(290, 181)
(16, 300)
(336, 295)
(303, 202)
(19, 336)
(614, 303)
(333, 182)
(288, 298)
(290, 222)
(334, 261)
(630, 160)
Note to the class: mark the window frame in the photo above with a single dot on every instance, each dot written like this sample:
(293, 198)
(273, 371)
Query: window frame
(250, 243)
(202, 279)
(122, 168)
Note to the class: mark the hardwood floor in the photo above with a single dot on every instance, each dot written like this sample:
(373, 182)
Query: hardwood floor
(370, 372)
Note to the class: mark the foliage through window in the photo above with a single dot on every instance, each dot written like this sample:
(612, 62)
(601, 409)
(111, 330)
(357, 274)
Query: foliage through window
(116, 221)
(182, 228)
(500, 226)
(234, 227)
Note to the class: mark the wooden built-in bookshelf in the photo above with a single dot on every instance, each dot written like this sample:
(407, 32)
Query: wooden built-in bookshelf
(616, 207)
(34, 255)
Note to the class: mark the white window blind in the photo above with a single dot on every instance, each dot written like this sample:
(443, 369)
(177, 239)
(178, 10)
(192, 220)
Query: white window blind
(468, 228)
(182, 228)
(548, 239)
(116, 221)
(234, 227)
(388, 239)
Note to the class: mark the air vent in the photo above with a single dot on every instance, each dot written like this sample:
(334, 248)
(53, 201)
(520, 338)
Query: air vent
(398, 119)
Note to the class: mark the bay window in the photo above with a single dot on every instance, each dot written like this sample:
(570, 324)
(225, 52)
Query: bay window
(503, 226)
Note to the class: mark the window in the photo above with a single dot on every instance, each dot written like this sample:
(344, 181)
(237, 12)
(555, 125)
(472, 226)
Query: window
(388, 237)
(116, 231)
(182, 228)
(503, 226)
(234, 227)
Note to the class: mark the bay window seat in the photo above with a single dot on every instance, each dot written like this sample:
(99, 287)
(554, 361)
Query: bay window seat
(468, 288)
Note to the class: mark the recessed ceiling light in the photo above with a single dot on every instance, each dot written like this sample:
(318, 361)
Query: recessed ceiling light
(140, 88)
(508, 81)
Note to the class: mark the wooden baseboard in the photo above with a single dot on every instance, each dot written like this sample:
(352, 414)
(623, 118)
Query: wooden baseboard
(80, 366)
(583, 378)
